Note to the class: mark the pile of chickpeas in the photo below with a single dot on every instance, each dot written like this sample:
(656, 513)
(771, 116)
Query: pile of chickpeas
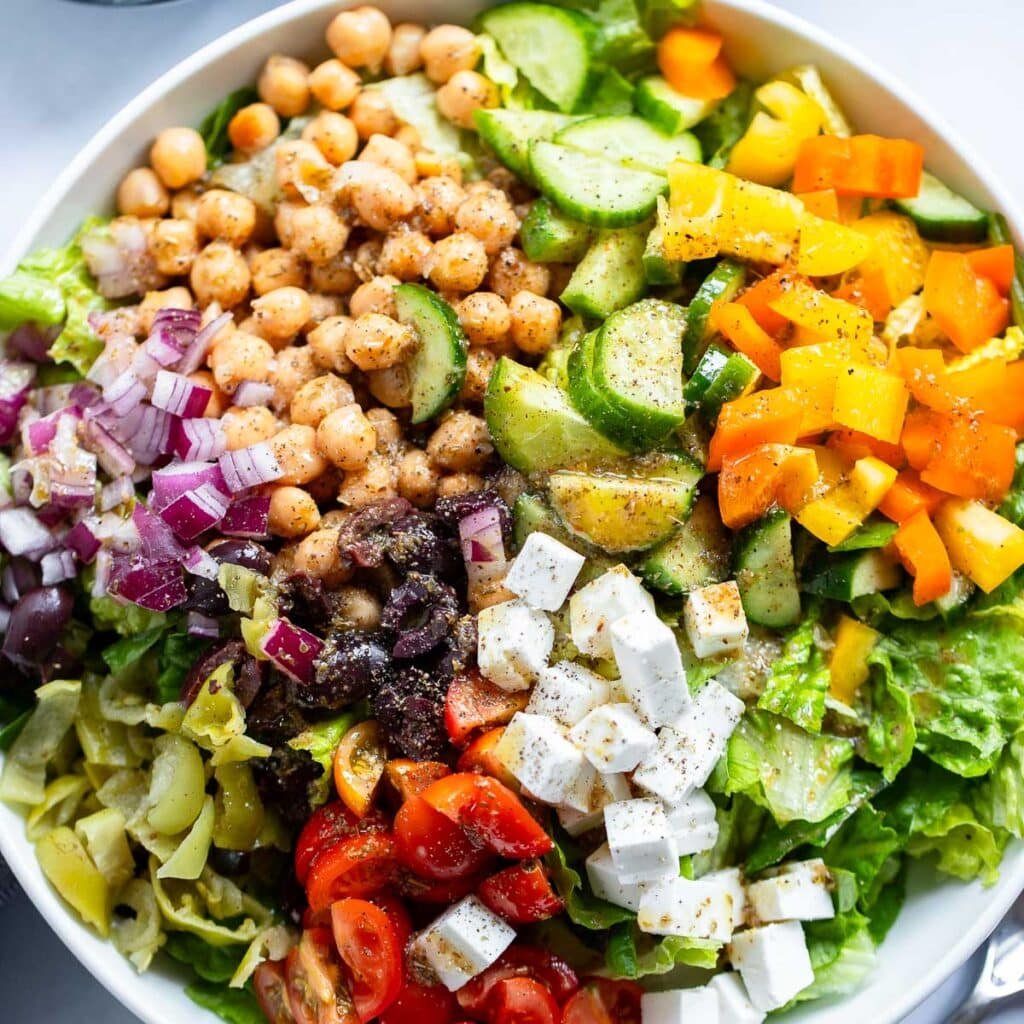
(362, 206)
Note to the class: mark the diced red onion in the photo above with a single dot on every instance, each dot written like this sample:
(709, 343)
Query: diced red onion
(160, 349)
(178, 478)
(176, 394)
(118, 534)
(198, 440)
(84, 395)
(249, 467)
(202, 625)
(19, 577)
(39, 433)
(104, 569)
(172, 332)
(124, 392)
(158, 586)
(195, 512)
(292, 649)
(247, 517)
(117, 492)
(116, 357)
(151, 437)
(58, 566)
(5, 618)
(115, 459)
(82, 541)
(145, 366)
(196, 352)
(156, 541)
(15, 382)
(70, 492)
(21, 532)
(200, 562)
(32, 342)
(252, 392)
(118, 256)
(483, 547)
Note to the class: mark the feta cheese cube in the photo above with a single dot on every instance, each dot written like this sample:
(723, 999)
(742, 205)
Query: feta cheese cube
(593, 608)
(606, 883)
(732, 880)
(650, 667)
(680, 1006)
(513, 644)
(678, 906)
(641, 841)
(798, 891)
(543, 572)
(714, 619)
(567, 692)
(465, 940)
(613, 738)
(734, 1006)
(694, 823)
(535, 749)
(607, 790)
(773, 962)
(689, 749)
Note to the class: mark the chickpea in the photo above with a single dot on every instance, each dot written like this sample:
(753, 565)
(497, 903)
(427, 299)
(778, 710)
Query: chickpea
(174, 245)
(465, 93)
(276, 268)
(377, 481)
(404, 254)
(153, 302)
(295, 449)
(226, 215)
(412, 140)
(335, 277)
(485, 318)
(360, 37)
(388, 427)
(240, 356)
(536, 322)
(372, 114)
(391, 387)
(346, 437)
(284, 85)
(302, 169)
(357, 608)
(319, 397)
(284, 220)
(178, 156)
(439, 200)
(375, 342)
(321, 308)
(447, 50)
(293, 367)
(254, 127)
(334, 135)
(417, 478)
(366, 258)
(184, 204)
(218, 401)
(318, 233)
(457, 263)
(220, 274)
(333, 85)
(317, 555)
(383, 200)
(327, 344)
(459, 483)
(461, 443)
(142, 194)
(489, 217)
(479, 364)
(403, 57)
(388, 152)
(512, 272)
(249, 425)
(281, 314)
(374, 296)
(293, 512)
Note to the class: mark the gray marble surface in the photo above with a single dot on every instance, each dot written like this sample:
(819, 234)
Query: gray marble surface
(67, 67)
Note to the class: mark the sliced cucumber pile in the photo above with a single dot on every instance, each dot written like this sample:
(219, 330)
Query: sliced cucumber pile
(847, 577)
(666, 109)
(611, 274)
(721, 285)
(943, 216)
(438, 369)
(765, 572)
(587, 398)
(720, 377)
(510, 132)
(696, 555)
(630, 141)
(548, 236)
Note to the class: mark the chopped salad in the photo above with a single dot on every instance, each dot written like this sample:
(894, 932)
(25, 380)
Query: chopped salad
(516, 524)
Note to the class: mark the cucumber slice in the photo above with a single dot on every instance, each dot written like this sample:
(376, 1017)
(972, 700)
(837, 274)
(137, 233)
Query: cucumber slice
(532, 514)
(510, 132)
(550, 45)
(548, 236)
(943, 216)
(667, 109)
(765, 572)
(592, 189)
(610, 275)
(438, 369)
(626, 513)
(720, 377)
(658, 268)
(695, 556)
(630, 141)
(847, 577)
(588, 399)
(721, 285)
(533, 426)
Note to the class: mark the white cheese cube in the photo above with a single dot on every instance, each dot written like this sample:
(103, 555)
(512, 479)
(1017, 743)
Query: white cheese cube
(773, 962)
(680, 1006)
(593, 609)
(689, 749)
(613, 738)
(798, 891)
(714, 619)
(543, 572)
(734, 1006)
(567, 692)
(606, 884)
(607, 790)
(535, 749)
(641, 841)
(465, 940)
(732, 880)
(650, 667)
(513, 644)
(694, 823)
(678, 906)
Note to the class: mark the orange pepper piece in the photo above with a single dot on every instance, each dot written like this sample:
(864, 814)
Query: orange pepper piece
(823, 203)
(750, 485)
(736, 323)
(757, 298)
(975, 459)
(923, 432)
(924, 556)
(908, 496)
(765, 417)
(995, 263)
(854, 445)
(862, 165)
(692, 62)
(966, 306)
(868, 289)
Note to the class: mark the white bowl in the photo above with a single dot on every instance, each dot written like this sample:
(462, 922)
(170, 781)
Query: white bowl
(943, 921)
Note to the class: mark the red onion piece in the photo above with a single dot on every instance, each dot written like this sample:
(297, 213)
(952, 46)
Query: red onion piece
(124, 392)
(196, 352)
(19, 577)
(21, 532)
(118, 256)
(249, 467)
(15, 382)
(200, 562)
(104, 570)
(5, 618)
(116, 357)
(58, 566)
(82, 541)
(38, 434)
(156, 540)
(176, 394)
(195, 512)
(483, 547)
(117, 492)
(115, 459)
(178, 478)
(202, 625)
(197, 440)
(248, 517)
(32, 342)
(151, 433)
(292, 649)
(251, 392)
(156, 585)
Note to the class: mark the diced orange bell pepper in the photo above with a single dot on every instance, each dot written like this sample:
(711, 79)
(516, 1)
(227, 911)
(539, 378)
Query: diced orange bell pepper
(750, 485)
(923, 433)
(863, 165)
(736, 323)
(924, 556)
(966, 306)
(867, 288)
(871, 401)
(757, 297)
(984, 546)
(924, 370)
(853, 445)
(765, 417)
(908, 496)
(995, 263)
(824, 203)
(692, 61)
(975, 459)
(900, 256)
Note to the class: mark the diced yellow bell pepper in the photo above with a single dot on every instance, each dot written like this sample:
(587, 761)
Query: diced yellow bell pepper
(848, 666)
(869, 482)
(72, 873)
(898, 252)
(811, 371)
(808, 78)
(831, 465)
(835, 515)
(872, 401)
(699, 197)
(825, 317)
(828, 248)
(984, 546)
(766, 223)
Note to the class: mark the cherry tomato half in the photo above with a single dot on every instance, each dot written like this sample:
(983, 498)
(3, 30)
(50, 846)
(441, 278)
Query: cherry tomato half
(519, 962)
(409, 778)
(268, 981)
(423, 890)
(316, 991)
(521, 894)
(521, 1001)
(474, 703)
(490, 813)
(480, 757)
(371, 955)
(327, 825)
(357, 866)
(421, 1004)
(359, 765)
(601, 1001)
(397, 915)
(432, 845)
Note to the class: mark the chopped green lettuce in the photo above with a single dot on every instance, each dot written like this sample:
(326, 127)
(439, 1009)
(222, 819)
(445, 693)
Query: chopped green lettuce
(125, 619)
(798, 680)
(999, 799)
(125, 653)
(582, 906)
(842, 953)
(866, 847)
(964, 846)
(1013, 504)
(211, 963)
(178, 653)
(234, 1005)
(321, 740)
(724, 127)
(214, 127)
(632, 954)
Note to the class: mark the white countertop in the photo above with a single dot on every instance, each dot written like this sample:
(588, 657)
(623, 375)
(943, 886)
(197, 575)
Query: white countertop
(965, 59)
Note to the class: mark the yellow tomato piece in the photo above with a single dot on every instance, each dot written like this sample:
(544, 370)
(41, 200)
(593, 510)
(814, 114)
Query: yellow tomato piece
(824, 317)
(984, 546)
(359, 765)
(828, 248)
(899, 252)
(872, 401)
(848, 666)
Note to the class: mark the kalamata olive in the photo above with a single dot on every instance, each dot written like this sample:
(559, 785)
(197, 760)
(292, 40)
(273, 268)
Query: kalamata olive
(422, 611)
(410, 709)
(228, 862)
(37, 621)
(422, 543)
(248, 672)
(205, 595)
(351, 666)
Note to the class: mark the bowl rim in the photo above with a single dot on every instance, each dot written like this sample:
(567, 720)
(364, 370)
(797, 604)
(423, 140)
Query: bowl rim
(13, 847)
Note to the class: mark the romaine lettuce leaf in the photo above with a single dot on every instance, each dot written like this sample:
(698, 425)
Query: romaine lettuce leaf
(126, 652)
(999, 798)
(582, 906)
(126, 619)
(632, 954)
(865, 846)
(842, 953)
(321, 739)
(177, 654)
(724, 127)
(965, 847)
(234, 1005)
(1013, 504)
(211, 963)
(798, 681)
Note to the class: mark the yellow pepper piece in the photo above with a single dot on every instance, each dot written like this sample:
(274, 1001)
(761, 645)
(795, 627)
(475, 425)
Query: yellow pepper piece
(811, 371)
(699, 197)
(835, 515)
(72, 873)
(825, 317)
(869, 482)
(984, 546)
(872, 401)
(808, 78)
(828, 248)
(898, 252)
(848, 665)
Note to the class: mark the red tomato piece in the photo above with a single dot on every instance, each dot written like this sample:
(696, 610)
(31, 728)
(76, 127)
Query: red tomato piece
(474, 703)
(521, 1001)
(397, 915)
(521, 894)
(268, 981)
(601, 1001)
(490, 813)
(371, 955)
(423, 890)
(409, 778)
(357, 866)
(480, 757)
(327, 825)
(434, 846)
(316, 991)
(519, 962)
(421, 1004)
